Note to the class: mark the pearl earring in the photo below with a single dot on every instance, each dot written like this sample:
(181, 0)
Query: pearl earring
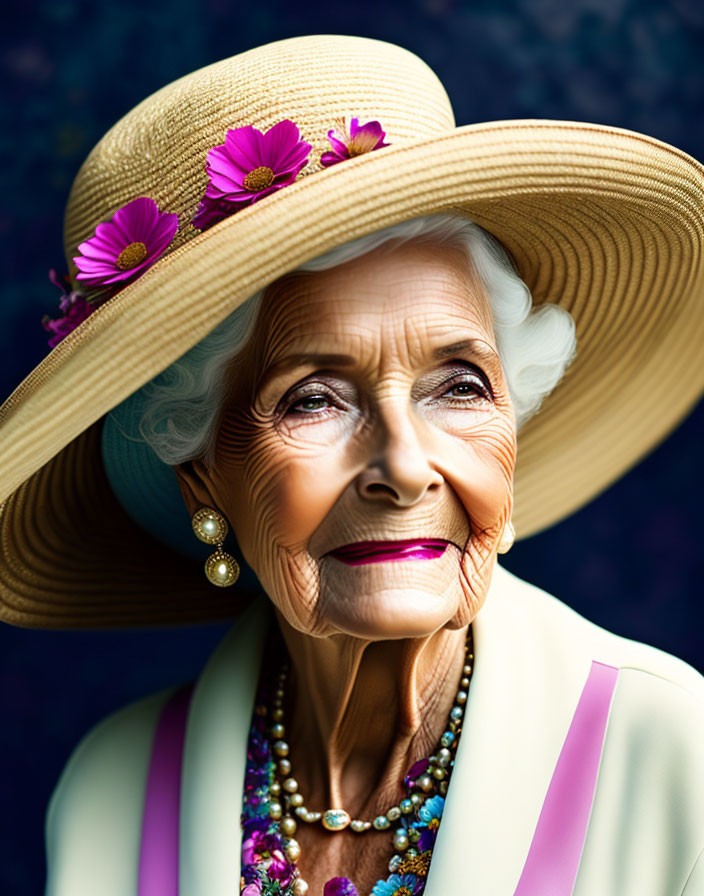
(211, 527)
(507, 539)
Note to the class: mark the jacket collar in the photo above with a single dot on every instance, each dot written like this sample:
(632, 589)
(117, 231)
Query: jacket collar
(517, 715)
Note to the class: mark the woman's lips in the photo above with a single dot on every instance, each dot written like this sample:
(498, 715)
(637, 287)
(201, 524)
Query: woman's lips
(383, 551)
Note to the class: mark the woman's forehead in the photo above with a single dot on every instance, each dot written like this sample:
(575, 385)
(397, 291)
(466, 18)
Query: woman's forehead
(415, 293)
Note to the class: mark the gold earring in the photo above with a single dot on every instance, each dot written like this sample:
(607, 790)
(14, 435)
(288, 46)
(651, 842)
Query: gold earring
(507, 539)
(211, 527)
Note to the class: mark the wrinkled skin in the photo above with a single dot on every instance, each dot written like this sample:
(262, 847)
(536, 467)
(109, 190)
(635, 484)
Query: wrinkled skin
(397, 444)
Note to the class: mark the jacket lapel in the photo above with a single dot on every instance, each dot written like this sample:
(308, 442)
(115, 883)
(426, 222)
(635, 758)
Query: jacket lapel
(525, 688)
(517, 715)
(214, 759)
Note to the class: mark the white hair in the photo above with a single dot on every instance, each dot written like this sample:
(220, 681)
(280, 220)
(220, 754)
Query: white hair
(181, 404)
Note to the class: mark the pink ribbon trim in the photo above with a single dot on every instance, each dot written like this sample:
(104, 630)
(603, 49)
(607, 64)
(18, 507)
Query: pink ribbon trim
(556, 850)
(158, 859)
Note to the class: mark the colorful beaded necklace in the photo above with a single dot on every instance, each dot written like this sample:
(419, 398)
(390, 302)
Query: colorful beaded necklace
(272, 799)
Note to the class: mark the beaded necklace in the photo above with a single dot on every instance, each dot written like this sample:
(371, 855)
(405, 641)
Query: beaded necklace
(272, 799)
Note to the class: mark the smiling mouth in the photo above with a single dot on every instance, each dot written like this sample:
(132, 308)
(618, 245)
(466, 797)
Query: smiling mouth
(384, 551)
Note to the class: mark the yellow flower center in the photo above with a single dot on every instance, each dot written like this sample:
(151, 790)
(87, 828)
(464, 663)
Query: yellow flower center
(259, 179)
(402, 891)
(417, 865)
(433, 824)
(361, 143)
(131, 255)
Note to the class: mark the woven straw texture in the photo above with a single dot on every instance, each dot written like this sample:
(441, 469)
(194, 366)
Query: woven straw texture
(606, 222)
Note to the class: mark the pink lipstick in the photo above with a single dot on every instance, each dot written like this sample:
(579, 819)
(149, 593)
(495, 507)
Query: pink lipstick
(380, 551)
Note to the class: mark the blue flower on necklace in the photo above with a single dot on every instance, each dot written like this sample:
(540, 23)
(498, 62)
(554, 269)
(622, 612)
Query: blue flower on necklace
(430, 814)
(399, 885)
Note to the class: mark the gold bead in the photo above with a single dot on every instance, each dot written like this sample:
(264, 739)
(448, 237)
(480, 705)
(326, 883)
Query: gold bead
(209, 525)
(221, 569)
(300, 888)
(292, 850)
(288, 826)
(425, 782)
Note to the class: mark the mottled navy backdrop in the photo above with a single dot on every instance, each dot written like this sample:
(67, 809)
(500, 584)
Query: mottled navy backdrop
(631, 561)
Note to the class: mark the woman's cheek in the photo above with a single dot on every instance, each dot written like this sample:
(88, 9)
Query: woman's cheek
(484, 484)
(486, 491)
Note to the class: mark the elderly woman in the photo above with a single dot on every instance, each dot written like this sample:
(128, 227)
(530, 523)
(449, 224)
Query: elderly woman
(337, 386)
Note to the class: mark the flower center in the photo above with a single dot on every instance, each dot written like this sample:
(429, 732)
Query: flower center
(131, 255)
(418, 865)
(433, 824)
(258, 179)
(402, 891)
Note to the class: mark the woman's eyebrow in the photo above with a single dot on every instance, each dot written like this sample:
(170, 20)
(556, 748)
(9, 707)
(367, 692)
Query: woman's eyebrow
(478, 347)
(299, 359)
(333, 359)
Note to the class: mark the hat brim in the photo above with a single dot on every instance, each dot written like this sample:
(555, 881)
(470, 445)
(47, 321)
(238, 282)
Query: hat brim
(605, 222)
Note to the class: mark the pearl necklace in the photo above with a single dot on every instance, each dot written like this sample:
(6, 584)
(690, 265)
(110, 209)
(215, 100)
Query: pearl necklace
(427, 780)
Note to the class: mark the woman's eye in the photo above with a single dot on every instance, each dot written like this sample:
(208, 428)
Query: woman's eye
(314, 404)
(309, 403)
(467, 387)
(319, 403)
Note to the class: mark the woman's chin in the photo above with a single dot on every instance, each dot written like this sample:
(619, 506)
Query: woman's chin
(389, 600)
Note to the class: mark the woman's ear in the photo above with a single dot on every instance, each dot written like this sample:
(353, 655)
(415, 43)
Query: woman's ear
(192, 480)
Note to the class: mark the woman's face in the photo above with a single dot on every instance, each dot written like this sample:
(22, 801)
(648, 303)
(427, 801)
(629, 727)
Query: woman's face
(370, 406)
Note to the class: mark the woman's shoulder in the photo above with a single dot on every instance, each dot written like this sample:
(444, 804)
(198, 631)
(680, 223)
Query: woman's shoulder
(90, 818)
(651, 770)
(568, 637)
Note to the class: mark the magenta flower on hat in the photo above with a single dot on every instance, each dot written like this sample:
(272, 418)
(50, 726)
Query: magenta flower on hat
(75, 306)
(356, 141)
(248, 166)
(126, 245)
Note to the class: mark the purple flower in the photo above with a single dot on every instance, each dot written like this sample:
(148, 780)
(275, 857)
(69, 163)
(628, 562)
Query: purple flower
(126, 245)
(250, 875)
(340, 886)
(252, 889)
(282, 872)
(255, 779)
(248, 166)
(356, 141)
(74, 305)
(428, 836)
(259, 823)
(415, 771)
(265, 850)
(258, 750)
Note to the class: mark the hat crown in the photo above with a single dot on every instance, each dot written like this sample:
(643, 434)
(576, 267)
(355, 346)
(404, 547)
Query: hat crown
(159, 148)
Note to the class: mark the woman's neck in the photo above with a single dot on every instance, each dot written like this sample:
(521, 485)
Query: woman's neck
(360, 713)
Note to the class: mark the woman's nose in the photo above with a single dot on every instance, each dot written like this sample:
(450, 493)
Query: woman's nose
(399, 467)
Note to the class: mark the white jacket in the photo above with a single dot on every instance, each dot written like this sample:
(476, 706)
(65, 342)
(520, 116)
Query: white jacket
(645, 835)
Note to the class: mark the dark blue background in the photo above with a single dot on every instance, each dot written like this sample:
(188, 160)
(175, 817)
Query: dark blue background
(631, 561)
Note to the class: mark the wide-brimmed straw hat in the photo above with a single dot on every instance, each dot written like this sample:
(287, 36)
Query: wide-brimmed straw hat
(603, 221)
